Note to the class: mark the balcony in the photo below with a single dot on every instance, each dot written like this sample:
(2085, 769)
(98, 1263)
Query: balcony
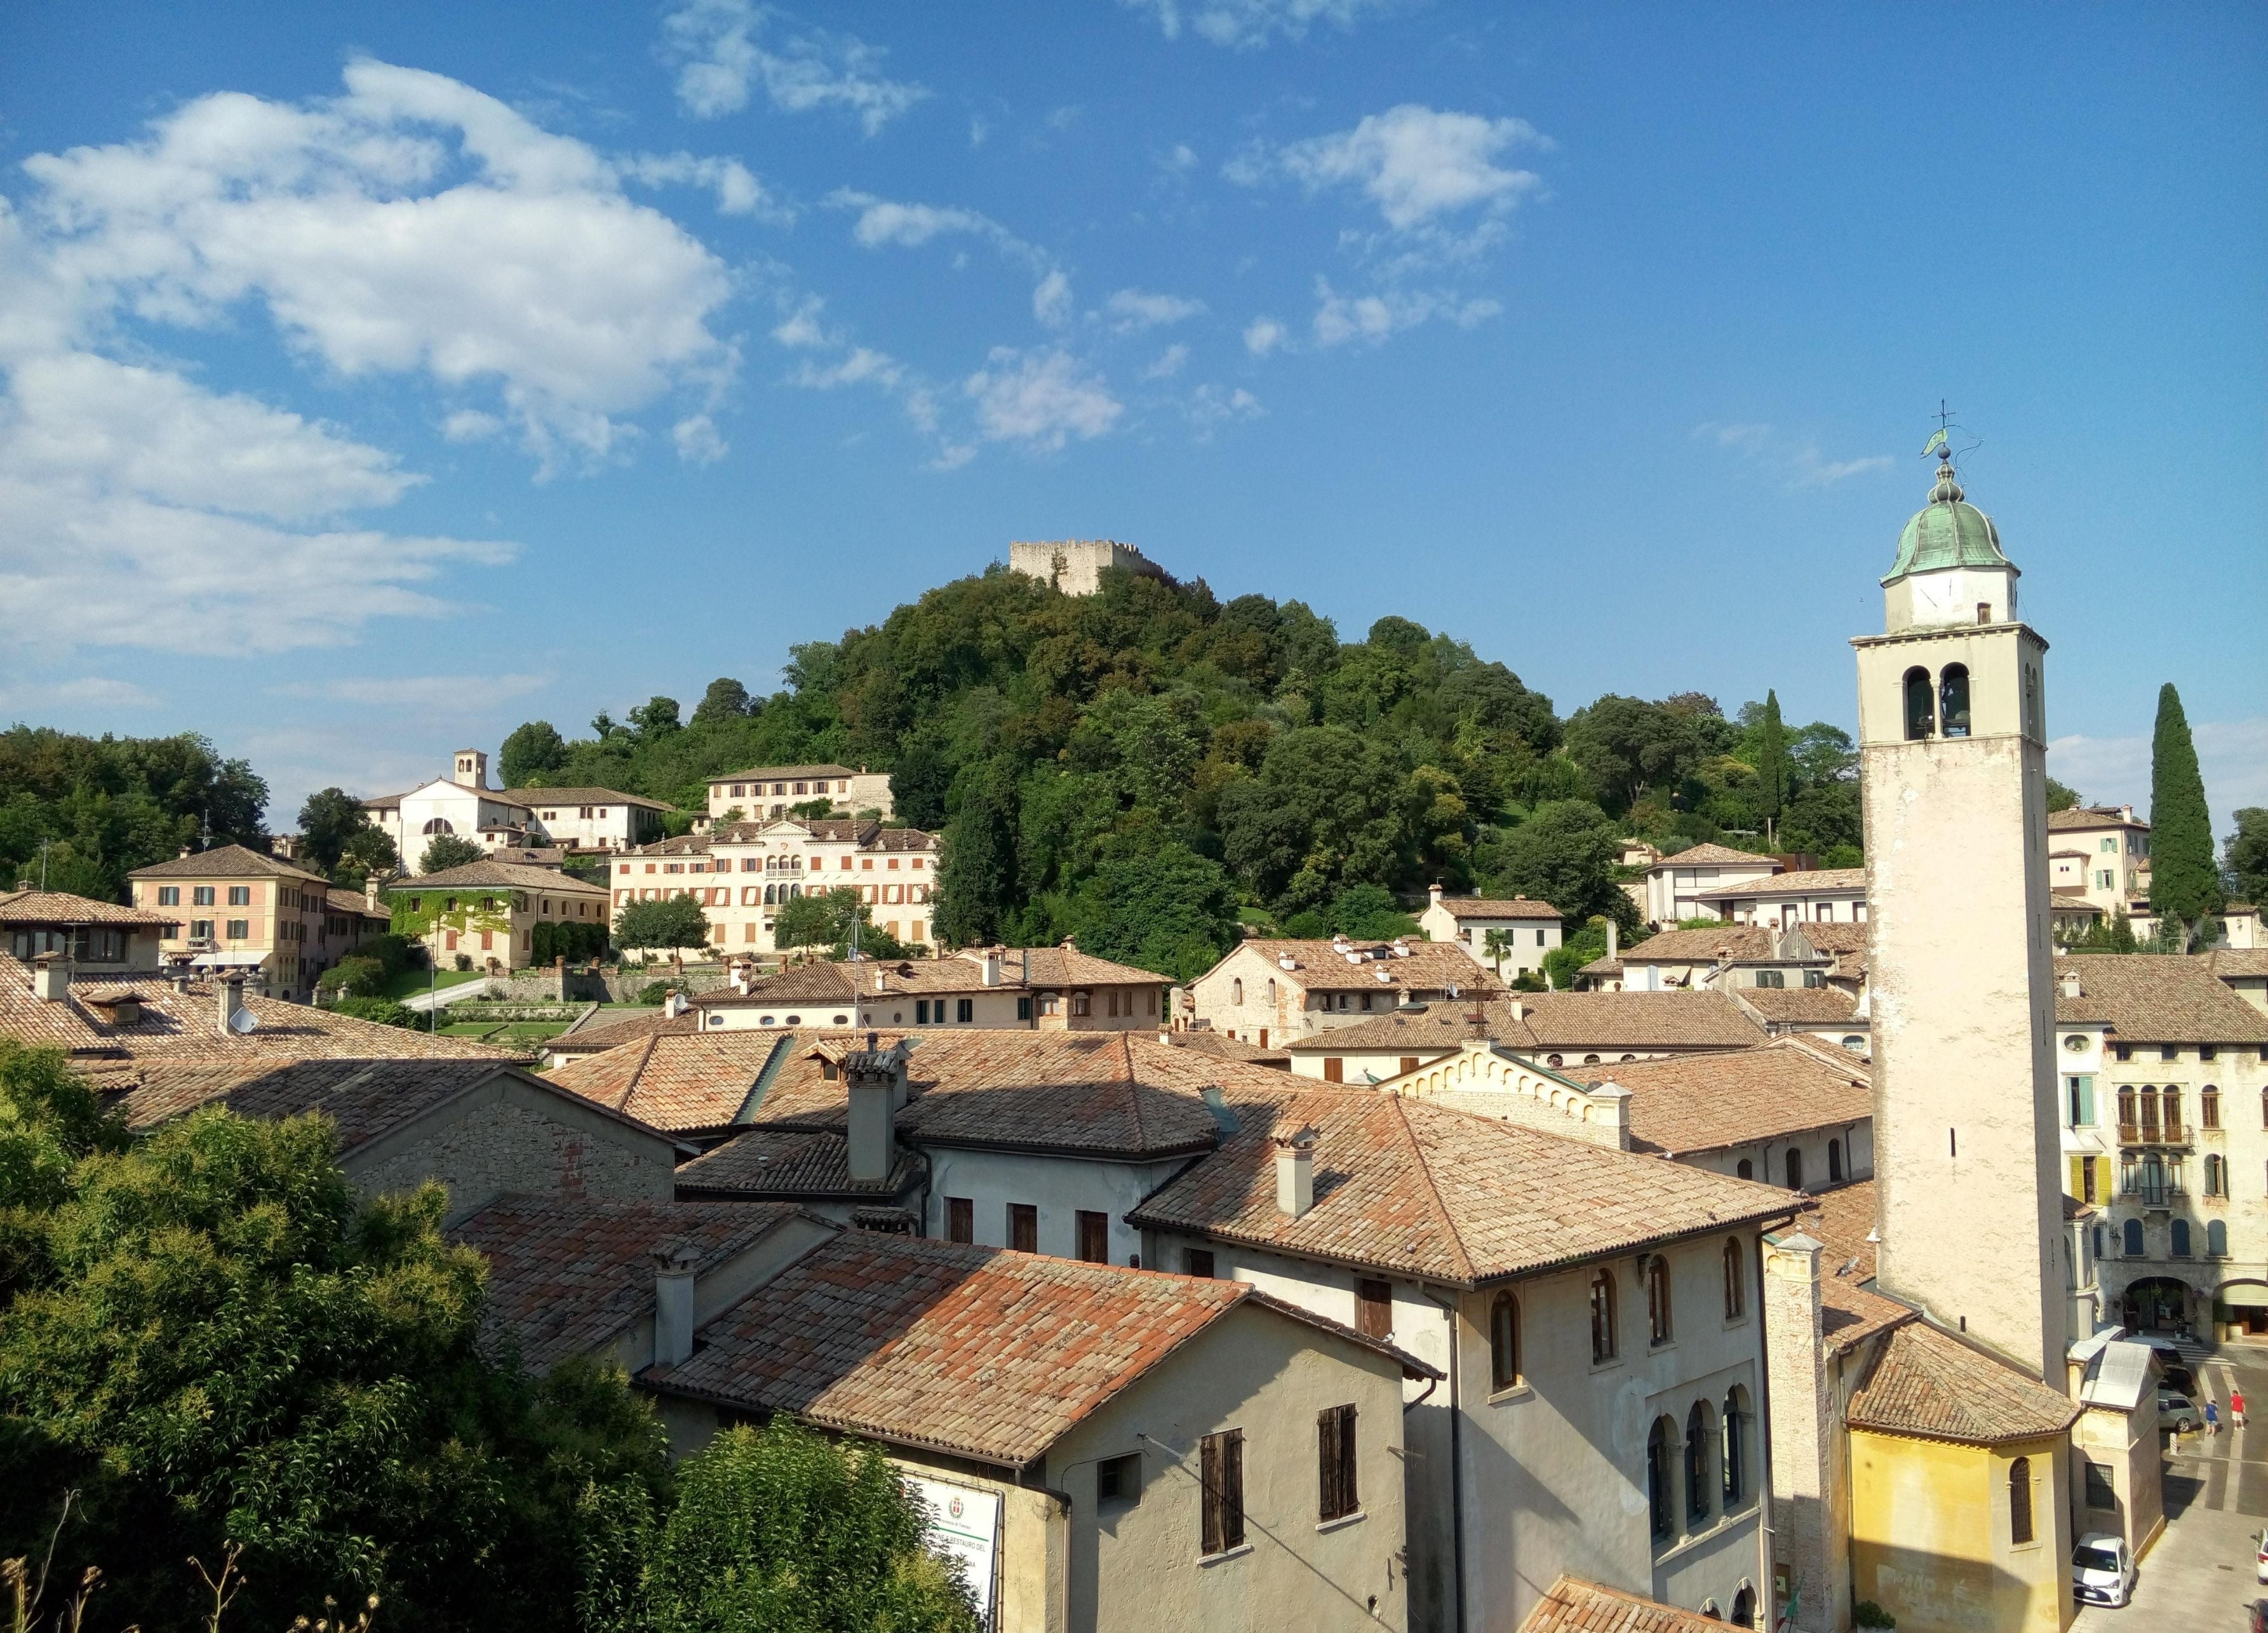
(2170, 1132)
(2161, 1197)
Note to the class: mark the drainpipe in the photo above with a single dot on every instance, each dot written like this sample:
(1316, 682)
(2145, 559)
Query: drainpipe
(1456, 1460)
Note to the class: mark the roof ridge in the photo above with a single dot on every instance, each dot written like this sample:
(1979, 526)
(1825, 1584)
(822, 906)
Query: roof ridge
(1426, 1172)
(761, 1083)
(1133, 1092)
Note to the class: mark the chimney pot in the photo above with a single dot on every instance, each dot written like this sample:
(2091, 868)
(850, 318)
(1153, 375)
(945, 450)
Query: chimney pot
(1295, 1173)
(672, 1303)
(1613, 939)
(50, 978)
(991, 967)
(231, 989)
(1434, 893)
(873, 1078)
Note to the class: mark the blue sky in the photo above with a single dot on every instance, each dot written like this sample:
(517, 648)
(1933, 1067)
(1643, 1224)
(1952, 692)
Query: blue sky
(379, 376)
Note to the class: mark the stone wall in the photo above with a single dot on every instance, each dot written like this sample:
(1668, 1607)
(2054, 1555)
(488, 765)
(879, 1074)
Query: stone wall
(510, 1136)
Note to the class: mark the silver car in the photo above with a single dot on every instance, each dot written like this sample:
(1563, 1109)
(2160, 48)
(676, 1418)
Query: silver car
(2179, 1413)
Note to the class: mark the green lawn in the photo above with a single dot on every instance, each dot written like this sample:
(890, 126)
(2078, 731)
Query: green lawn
(506, 1032)
(409, 982)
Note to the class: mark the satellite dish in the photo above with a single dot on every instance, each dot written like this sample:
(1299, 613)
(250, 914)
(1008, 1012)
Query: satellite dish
(243, 1021)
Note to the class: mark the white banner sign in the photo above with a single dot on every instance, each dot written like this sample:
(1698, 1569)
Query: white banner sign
(964, 1528)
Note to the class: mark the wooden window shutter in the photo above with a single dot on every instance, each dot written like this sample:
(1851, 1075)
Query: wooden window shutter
(1221, 1469)
(1334, 1071)
(1334, 1458)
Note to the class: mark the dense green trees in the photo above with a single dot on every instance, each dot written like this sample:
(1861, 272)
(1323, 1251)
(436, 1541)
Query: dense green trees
(102, 808)
(530, 752)
(824, 918)
(676, 924)
(2185, 883)
(2247, 857)
(338, 841)
(448, 851)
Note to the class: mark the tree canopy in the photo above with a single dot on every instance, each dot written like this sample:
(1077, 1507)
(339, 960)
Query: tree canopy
(448, 851)
(104, 806)
(676, 921)
(2247, 857)
(2185, 883)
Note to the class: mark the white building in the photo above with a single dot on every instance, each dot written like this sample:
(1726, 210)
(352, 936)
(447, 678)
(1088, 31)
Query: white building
(743, 872)
(1525, 930)
(1076, 566)
(506, 820)
(1823, 895)
(1279, 990)
(2101, 852)
(1025, 989)
(1678, 887)
(764, 791)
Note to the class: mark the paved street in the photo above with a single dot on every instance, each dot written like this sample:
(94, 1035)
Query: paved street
(2200, 1573)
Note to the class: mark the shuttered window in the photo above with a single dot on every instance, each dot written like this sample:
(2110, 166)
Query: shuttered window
(1334, 1070)
(959, 1220)
(1373, 1309)
(1220, 1460)
(1023, 1227)
(1334, 1461)
(1093, 1236)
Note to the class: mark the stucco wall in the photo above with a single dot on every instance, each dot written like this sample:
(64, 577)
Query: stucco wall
(509, 1136)
(1060, 1187)
(2126, 1445)
(1930, 1530)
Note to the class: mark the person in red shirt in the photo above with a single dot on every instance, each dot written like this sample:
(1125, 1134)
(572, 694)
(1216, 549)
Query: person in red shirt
(2236, 1406)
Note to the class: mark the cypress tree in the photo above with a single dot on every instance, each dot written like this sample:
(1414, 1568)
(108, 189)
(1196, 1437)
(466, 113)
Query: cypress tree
(2184, 883)
(1772, 762)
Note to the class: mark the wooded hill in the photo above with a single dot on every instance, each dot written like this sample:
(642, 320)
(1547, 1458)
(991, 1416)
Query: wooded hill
(1139, 768)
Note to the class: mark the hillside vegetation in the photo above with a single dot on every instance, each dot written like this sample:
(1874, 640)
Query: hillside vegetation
(1140, 767)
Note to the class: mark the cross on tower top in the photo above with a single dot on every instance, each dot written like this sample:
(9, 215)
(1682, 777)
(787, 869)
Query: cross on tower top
(1944, 414)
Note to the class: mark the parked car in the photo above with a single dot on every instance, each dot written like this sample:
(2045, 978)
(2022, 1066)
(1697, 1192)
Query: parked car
(2102, 1570)
(2260, 1564)
(2173, 1371)
(2179, 1413)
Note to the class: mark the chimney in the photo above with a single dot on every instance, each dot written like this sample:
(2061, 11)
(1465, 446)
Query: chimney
(672, 1303)
(1295, 1173)
(1613, 939)
(2067, 984)
(231, 989)
(50, 978)
(873, 1077)
(1610, 1114)
(185, 850)
(1519, 1010)
(991, 967)
(878, 987)
(673, 1005)
(1433, 891)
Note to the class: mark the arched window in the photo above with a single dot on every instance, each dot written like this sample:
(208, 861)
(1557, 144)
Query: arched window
(1658, 1477)
(1953, 691)
(1700, 1479)
(2216, 1239)
(1921, 710)
(1709, 1611)
(1236, 990)
(1738, 1427)
(2209, 1106)
(1271, 989)
(1744, 1608)
(1795, 1169)
(1834, 1162)
(771, 894)
(2019, 1500)
(1603, 1317)
(2181, 1238)
(1736, 1281)
(1657, 1299)
(2132, 1245)
(439, 825)
(1504, 1342)
(1745, 1169)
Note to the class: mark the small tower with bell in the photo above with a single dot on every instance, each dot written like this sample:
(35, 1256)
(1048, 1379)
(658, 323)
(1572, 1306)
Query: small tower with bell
(1952, 733)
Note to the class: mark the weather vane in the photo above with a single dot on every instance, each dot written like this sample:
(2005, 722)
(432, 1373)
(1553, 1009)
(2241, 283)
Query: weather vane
(1937, 443)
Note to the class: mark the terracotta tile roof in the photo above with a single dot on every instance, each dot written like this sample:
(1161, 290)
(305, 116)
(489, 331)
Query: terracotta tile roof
(2239, 962)
(684, 845)
(783, 774)
(2161, 998)
(2070, 902)
(610, 1032)
(566, 1277)
(1847, 941)
(227, 862)
(501, 876)
(1713, 856)
(1319, 966)
(681, 1081)
(1605, 1022)
(61, 907)
(1221, 1046)
(1809, 881)
(1506, 907)
(1049, 968)
(1842, 1220)
(788, 1161)
(1706, 1102)
(365, 1098)
(352, 902)
(1066, 966)
(530, 797)
(1929, 1384)
(1799, 1006)
(1572, 1605)
(1422, 1190)
(1703, 947)
(174, 1026)
(2078, 817)
(824, 982)
(975, 1351)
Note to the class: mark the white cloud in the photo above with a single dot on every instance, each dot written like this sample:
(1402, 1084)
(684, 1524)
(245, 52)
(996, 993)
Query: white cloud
(738, 191)
(801, 327)
(889, 223)
(697, 440)
(978, 130)
(1182, 160)
(1372, 318)
(1169, 364)
(86, 691)
(454, 694)
(412, 225)
(861, 366)
(720, 49)
(1415, 163)
(470, 425)
(1263, 335)
(1249, 24)
(2232, 759)
(1051, 301)
(1796, 459)
(1039, 398)
(1210, 408)
(1136, 309)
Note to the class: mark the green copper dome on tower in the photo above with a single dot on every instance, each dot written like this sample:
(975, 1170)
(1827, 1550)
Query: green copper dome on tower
(1947, 531)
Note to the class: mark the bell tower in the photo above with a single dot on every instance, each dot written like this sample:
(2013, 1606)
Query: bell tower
(1952, 733)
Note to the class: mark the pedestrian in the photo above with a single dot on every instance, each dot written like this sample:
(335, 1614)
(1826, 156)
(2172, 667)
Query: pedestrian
(2211, 1419)
(2236, 1406)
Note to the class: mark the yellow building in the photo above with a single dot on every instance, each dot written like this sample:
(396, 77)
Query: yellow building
(1960, 1507)
(487, 911)
(240, 909)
